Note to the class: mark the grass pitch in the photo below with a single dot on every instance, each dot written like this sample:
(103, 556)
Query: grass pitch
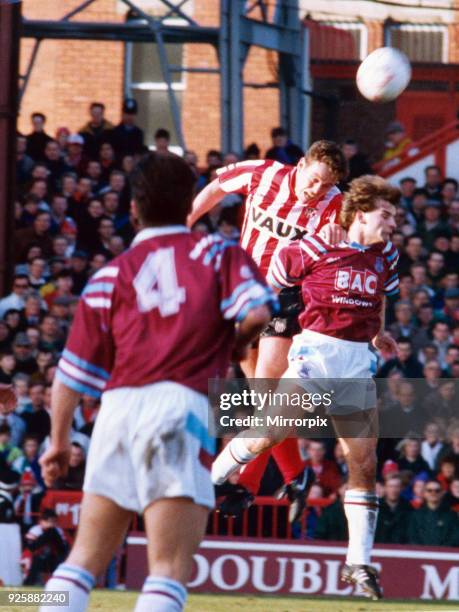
(116, 601)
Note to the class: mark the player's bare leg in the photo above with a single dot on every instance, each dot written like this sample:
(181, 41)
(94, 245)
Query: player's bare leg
(175, 528)
(360, 500)
(101, 530)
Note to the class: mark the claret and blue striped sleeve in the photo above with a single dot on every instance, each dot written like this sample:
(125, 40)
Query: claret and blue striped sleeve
(242, 286)
(87, 359)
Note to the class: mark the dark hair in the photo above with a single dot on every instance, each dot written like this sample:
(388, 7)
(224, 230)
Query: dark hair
(420, 191)
(97, 104)
(278, 131)
(330, 154)
(163, 187)
(49, 513)
(407, 179)
(452, 181)
(5, 428)
(162, 133)
(427, 168)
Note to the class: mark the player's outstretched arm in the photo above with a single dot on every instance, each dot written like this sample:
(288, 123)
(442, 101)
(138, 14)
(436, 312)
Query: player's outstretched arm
(54, 462)
(206, 199)
(249, 328)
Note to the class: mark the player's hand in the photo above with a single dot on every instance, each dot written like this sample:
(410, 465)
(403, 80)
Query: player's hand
(384, 343)
(333, 233)
(8, 397)
(54, 463)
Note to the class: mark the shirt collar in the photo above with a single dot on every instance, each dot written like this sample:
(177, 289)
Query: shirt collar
(154, 232)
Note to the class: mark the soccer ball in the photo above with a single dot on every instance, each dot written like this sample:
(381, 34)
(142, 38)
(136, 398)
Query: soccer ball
(383, 75)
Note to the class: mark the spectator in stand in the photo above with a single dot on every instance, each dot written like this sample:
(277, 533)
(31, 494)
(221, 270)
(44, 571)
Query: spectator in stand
(332, 523)
(406, 416)
(451, 498)
(16, 299)
(432, 445)
(97, 262)
(394, 513)
(432, 525)
(325, 470)
(8, 451)
(63, 286)
(432, 225)
(55, 164)
(405, 225)
(51, 338)
(36, 416)
(105, 230)
(37, 139)
(452, 355)
(16, 425)
(192, 160)
(62, 137)
(418, 206)
(75, 160)
(75, 475)
(283, 149)
(451, 448)
(434, 182)
(450, 312)
(39, 188)
(117, 245)
(24, 163)
(447, 472)
(162, 140)
(214, 160)
(88, 225)
(432, 374)
(95, 131)
(37, 234)
(48, 547)
(22, 349)
(60, 221)
(412, 254)
(411, 459)
(405, 362)
(29, 459)
(436, 269)
(7, 367)
(127, 137)
(397, 143)
(417, 491)
(68, 187)
(404, 326)
(33, 310)
(45, 358)
(407, 188)
(453, 216)
(29, 211)
(107, 160)
(424, 321)
(448, 191)
(357, 162)
(94, 173)
(252, 151)
(79, 270)
(441, 339)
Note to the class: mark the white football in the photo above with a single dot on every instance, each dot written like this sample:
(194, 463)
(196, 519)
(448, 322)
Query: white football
(383, 75)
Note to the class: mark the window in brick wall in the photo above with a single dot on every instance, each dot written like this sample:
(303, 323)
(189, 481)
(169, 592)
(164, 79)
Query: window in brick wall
(337, 40)
(144, 82)
(420, 42)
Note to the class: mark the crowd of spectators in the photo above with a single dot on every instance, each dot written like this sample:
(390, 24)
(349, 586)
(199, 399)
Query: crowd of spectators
(72, 215)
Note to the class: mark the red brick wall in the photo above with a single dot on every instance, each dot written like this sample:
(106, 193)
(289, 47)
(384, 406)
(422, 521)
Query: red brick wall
(201, 100)
(68, 75)
(453, 36)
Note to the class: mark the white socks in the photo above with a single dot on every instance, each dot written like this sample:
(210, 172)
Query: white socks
(161, 595)
(233, 456)
(361, 509)
(77, 581)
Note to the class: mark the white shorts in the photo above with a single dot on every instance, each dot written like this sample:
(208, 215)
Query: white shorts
(315, 356)
(150, 443)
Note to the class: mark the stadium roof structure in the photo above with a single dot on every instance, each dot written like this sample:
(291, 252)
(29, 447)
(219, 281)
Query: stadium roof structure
(238, 31)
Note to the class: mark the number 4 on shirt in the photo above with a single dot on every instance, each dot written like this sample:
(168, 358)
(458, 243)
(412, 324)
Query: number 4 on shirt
(156, 284)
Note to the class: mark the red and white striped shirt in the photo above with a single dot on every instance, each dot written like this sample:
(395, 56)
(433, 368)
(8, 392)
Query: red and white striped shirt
(273, 215)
